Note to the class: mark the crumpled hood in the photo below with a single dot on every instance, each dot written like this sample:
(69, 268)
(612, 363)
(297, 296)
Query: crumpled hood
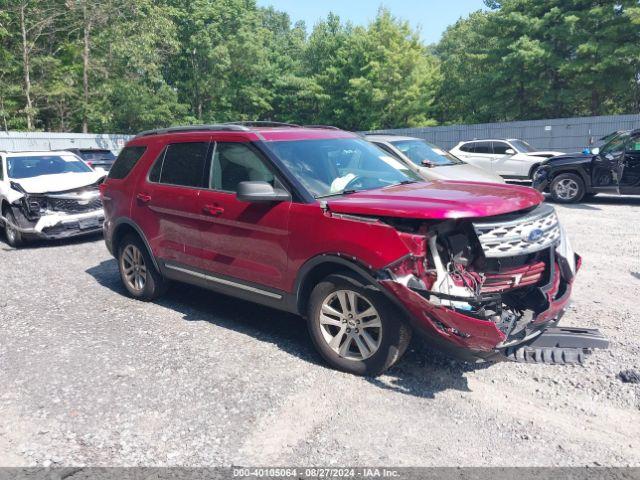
(59, 182)
(540, 153)
(569, 158)
(438, 200)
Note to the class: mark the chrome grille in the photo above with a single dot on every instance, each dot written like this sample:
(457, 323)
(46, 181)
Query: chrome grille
(74, 206)
(79, 202)
(530, 233)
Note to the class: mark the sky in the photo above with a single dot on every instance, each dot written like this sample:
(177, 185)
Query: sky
(433, 16)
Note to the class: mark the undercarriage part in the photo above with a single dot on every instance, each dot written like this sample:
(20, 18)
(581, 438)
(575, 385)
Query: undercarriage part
(550, 356)
(558, 346)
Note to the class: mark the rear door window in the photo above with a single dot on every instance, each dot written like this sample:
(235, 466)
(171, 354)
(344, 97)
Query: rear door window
(125, 162)
(182, 164)
(483, 147)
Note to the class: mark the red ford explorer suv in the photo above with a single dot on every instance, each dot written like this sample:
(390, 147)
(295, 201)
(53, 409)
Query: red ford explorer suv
(322, 223)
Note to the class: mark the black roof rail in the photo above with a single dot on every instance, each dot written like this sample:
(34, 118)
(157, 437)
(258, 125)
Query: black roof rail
(263, 123)
(324, 127)
(366, 134)
(225, 127)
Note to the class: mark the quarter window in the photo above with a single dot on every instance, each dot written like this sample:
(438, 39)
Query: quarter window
(183, 164)
(467, 147)
(233, 163)
(125, 162)
(1, 168)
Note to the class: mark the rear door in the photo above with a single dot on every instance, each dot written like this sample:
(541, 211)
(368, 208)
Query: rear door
(481, 156)
(629, 167)
(242, 241)
(165, 203)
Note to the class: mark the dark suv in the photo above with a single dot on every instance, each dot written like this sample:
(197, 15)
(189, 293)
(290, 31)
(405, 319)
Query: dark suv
(612, 168)
(322, 223)
(96, 158)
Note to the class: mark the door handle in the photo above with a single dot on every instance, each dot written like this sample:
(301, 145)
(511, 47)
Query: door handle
(143, 197)
(213, 210)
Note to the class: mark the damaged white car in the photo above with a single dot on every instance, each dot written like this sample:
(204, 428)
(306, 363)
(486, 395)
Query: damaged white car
(48, 195)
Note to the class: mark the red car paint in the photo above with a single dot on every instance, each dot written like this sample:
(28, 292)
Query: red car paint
(439, 200)
(273, 245)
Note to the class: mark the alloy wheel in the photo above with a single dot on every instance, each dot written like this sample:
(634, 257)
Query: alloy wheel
(567, 189)
(134, 268)
(350, 325)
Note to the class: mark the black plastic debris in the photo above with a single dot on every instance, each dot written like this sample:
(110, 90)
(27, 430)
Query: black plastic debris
(629, 376)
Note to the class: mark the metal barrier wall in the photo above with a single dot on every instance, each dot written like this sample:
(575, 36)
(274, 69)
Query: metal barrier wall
(563, 134)
(23, 141)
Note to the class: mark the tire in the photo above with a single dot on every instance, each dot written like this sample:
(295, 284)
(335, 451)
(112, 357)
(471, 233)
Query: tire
(13, 236)
(137, 272)
(370, 351)
(567, 188)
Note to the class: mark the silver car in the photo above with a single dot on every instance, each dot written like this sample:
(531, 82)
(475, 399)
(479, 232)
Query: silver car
(429, 161)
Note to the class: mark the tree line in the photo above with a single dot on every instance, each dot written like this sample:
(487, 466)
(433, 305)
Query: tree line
(129, 65)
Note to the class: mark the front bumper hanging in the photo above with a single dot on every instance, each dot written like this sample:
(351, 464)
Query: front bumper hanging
(61, 225)
(558, 345)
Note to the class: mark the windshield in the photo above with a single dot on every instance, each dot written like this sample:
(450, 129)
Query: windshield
(340, 165)
(616, 144)
(419, 150)
(28, 167)
(91, 155)
(522, 146)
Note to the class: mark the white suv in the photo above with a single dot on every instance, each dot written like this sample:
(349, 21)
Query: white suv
(510, 158)
(48, 195)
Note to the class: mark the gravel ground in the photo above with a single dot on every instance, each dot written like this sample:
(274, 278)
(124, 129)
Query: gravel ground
(91, 377)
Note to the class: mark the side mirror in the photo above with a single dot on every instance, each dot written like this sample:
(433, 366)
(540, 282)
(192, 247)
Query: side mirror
(510, 151)
(253, 192)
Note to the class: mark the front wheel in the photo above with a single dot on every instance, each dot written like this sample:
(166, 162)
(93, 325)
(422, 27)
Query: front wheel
(567, 188)
(14, 237)
(355, 328)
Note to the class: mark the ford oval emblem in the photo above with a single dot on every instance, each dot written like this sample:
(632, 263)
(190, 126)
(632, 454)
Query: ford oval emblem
(532, 236)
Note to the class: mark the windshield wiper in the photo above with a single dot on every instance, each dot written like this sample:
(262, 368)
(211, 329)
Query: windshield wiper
(337, 194)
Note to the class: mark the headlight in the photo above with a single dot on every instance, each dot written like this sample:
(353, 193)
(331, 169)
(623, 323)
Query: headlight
(566, 255)
(541, 173)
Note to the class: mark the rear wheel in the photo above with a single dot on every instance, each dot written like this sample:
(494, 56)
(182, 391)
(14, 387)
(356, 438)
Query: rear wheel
(355, 328)
(140, 277)
(567, 188)
(14, 237)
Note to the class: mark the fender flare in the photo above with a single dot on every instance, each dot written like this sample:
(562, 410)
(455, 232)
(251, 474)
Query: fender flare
(130, 223)
(339, 260)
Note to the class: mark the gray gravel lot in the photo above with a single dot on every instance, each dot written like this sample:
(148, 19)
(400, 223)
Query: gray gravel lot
(91, 377)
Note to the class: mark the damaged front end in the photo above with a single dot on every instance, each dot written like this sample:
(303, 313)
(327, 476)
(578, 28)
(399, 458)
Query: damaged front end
(482, 287)
(56, 215)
